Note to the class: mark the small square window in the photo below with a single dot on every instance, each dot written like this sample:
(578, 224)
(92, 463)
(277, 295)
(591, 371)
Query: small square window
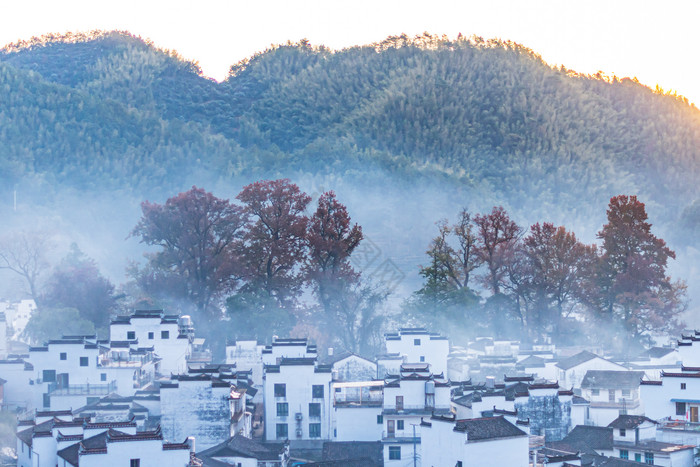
(395, 453)
(317, 391)
(683, 386)
(422, 358)
(314, 430)
(649, 458)
(282, 409)
(83, 361)
(150, 336)
(282, 431)
(135, 463)
(130, 335)
(380, 419)
(280, 390)
(416, 341)
(595, 392)
(103, 376)
(314, 409)
(399, 424)
(623, 432)
(165, 334)
(680, 408)
(63, 356)
(624, 454)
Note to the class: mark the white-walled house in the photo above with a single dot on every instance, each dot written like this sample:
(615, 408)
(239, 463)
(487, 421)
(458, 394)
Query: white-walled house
(282, 348)
(55, 438)
(204, 406)
(357, 410)
(479, 442)
(412, 395)
(247, 355)
(634, 438)
(611, 394)
(346, 366)
(417, 345)
(240, 451)
(171, 336)
(297, 395)
(77, 370)
(571, 370)
(19, 378)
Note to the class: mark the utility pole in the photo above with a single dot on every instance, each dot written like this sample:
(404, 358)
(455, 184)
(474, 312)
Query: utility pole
(414, 445)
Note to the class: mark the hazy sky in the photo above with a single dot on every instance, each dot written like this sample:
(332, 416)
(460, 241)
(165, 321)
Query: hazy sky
(654, 41)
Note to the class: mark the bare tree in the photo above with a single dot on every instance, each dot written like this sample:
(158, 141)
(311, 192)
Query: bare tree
(24, 253)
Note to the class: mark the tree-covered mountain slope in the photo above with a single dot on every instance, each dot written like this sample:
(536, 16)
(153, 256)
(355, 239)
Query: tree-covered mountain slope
(480, 118)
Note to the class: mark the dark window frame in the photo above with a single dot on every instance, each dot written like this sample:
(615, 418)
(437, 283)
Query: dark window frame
(280, 390)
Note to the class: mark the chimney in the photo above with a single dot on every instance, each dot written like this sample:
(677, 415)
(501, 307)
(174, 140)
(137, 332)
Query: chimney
(190, 441)
(490, 382)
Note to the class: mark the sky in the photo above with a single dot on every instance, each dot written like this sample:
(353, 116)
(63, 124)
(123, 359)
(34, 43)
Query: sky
(653, 41)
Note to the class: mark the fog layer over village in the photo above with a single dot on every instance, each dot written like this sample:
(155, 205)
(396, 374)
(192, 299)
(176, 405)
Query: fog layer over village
(268, 271)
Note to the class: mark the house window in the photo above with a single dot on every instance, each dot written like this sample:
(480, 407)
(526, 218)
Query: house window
(282, 431)
(638, 457)
(458, 464)
(314, 409)
(399, 402)
(399, 424)
(595, 392)
(611, 395)
(317, 391)
(165, 334)
(103, 376)
(282, 409)
(422, 358)
(130, 335)
(48, 376)
(135, 463)
(380, 419)
(83, 361)
(680, 408)
(625, 393)
(150, 336)
(314, 430)
(624, 454)
(416, 341)
(649, 458)
(395, 453)
(280, 390)
(623, 432)
(682, 385)
(63, 356)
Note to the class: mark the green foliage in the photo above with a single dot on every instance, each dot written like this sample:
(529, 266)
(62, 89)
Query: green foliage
(53, 323)
(108, 110)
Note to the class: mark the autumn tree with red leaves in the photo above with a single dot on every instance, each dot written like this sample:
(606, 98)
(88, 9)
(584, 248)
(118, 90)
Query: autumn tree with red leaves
(631, 284)
(331, 240)
(556, 267)
(275, 242)
(498, 236)
(200, 237)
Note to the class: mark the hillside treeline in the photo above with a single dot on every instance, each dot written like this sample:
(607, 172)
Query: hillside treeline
(105, 111)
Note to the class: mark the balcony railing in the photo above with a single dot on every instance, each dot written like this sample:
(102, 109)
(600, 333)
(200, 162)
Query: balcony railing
(82, 389)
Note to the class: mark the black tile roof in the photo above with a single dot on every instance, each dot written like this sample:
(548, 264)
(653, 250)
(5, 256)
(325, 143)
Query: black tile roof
(576, 360)
(240, 446)
(344, 453)
(629, 421)
(586, 438)
(612, 379)
(488, 428)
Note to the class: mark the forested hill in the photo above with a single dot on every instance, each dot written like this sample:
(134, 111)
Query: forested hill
(485, 119)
